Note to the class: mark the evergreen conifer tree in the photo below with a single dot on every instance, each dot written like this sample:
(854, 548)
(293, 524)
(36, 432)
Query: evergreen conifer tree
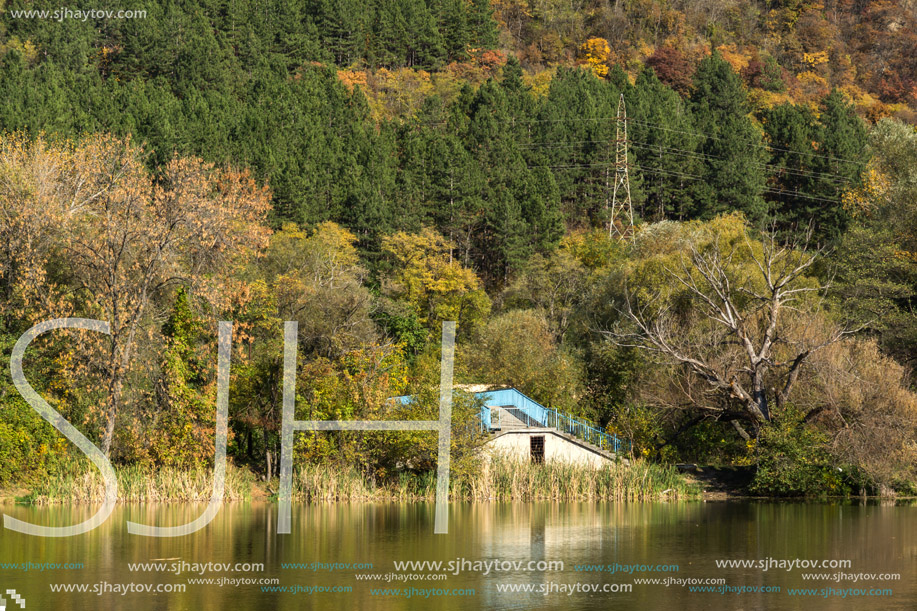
(733, 175)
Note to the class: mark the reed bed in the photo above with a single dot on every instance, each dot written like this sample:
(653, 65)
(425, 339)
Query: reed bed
(498, 479)
(502, 479)
(81, 483)
(323, 483)
(513, 480)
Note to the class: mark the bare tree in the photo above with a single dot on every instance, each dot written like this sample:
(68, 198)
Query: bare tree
(743, 319)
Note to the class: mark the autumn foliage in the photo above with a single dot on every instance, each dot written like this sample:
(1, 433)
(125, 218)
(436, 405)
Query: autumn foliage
(672, 68)
(91, 231)
(372, 170)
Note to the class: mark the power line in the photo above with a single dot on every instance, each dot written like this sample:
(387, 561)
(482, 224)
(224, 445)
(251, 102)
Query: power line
(694, 154)
(656, 170)
(770, 166)
(622, 181)
(621, 121)
(765, 146)
(696, 134)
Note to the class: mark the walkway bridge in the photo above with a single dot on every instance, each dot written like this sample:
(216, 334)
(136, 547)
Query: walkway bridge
(509, 409)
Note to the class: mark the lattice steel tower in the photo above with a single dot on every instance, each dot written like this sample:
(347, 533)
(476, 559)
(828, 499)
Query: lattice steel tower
(621, 220)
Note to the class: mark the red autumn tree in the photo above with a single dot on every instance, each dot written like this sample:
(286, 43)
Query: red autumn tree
(672, 68)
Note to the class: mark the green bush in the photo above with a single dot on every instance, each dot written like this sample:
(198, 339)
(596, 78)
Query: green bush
(27, 443)
(711, 442)
(793, 460)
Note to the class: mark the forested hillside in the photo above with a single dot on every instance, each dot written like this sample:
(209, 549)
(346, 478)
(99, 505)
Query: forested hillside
(372, 168)
(782, 48)
(260, 85)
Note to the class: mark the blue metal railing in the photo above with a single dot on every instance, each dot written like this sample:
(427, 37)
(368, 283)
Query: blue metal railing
(549, 418)
(543, 416)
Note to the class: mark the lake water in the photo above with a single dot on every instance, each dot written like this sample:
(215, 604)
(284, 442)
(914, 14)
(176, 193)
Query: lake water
(875, 538)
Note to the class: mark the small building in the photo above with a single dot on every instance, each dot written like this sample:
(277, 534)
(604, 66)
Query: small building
(524, 429)
(542, 444)
(521, 428)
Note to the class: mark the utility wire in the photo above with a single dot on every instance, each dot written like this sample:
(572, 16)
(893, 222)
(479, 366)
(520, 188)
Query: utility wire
(692, 154)
(695, 134)
(656, 170)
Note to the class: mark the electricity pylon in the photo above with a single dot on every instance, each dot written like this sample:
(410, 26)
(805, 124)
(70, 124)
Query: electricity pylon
(621, 220)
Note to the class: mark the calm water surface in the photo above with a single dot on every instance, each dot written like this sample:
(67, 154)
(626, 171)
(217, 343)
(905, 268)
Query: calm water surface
(875, 538)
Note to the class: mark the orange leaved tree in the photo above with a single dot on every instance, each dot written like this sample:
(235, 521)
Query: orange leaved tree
(93, 232)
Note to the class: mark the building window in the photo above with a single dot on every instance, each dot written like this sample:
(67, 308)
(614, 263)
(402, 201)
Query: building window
(536, 445)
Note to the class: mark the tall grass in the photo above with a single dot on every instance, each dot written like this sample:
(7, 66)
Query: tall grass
(80, 482)
(326, 483)
(502, 479)
(507, 479)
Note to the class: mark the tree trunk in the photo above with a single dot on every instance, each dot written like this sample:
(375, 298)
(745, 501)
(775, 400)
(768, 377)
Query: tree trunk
(119, 362)
(114, 403)
(740, 430)
(759, 394)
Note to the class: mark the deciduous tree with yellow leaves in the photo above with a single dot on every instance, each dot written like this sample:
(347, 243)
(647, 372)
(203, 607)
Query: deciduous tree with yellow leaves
(92, 231)
(595, 53)
(436, 286)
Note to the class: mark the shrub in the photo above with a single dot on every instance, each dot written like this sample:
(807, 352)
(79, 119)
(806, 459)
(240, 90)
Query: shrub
(794, 460)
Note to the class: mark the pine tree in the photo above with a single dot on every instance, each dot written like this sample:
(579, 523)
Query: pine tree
(792, 133)
(391, 33)
(574, 137)
(519, 212)
(840, 161)
(482, 24)
(733, 175)
(663, 149)
(439, 180)
(454, 26)
(814, 160)
(343, 25)
(426, 46)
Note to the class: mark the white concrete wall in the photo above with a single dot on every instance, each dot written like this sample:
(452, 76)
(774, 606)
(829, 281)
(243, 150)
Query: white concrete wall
(517, 444)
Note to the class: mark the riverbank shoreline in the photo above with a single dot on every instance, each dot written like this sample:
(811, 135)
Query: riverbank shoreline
(500, 479)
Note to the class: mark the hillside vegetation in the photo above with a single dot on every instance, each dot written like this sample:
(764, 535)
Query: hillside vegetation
(372, 169)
